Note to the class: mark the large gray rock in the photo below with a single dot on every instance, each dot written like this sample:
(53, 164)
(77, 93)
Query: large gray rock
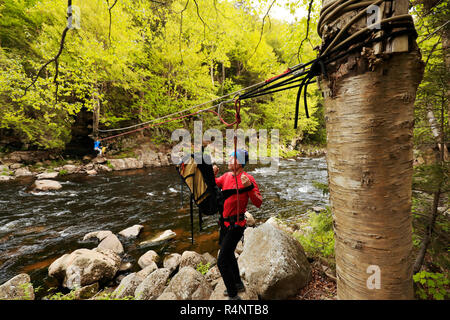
(153, 285)
(172, 261)
(149, 158)
(248, 294)
(111, 242)
(23, 172)
(160, 237)
(189, 284)
(148, 258)
(83, 267)
(127, 286)
(46, 185)
(192, 259)
(17, 288)
(131, 232)
(47, 175)
(273, 263)
(100, 235)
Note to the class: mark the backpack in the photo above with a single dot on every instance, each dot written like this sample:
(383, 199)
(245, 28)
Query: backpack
(200, 179)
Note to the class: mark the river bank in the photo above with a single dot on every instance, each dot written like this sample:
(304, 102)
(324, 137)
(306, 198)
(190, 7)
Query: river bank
(47, 165)
(273, 265)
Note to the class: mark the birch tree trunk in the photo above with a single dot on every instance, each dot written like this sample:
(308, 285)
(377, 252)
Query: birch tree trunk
(369, 121)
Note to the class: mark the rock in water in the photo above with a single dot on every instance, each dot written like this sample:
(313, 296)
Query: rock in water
(166, 235)
(273, 263)
(111, 242)
(84, 267)
(131, 232)
(46, 185)
(17, 288)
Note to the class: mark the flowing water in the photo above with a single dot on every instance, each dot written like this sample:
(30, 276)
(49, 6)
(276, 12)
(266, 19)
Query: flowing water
(37, 228)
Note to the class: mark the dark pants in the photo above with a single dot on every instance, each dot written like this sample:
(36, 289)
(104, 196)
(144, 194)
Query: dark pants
(227, 263)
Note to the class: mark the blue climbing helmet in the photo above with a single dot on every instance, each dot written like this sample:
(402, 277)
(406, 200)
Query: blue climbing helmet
(242, 156)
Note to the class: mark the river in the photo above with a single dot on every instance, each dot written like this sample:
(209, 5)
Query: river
(36, 229)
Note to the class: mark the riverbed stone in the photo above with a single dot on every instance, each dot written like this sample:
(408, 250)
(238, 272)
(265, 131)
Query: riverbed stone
(148, 269)
(153, 285)
(189, 284)
(273, 263)
(47, 175)
(100, 235)
(192, 259)
(17, 288)
(172, 261)
(23, 172)
(147, 258)
(131, 232)
(163, 236)
(46, 185)
(84, 267)
(6, 178)
(127, 286)
(113, 243)
(71, 168)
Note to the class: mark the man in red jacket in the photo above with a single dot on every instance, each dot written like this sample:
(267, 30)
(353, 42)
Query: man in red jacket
(233, 218)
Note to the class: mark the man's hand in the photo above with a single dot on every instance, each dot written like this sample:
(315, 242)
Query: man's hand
(245, 181)
(215, 169)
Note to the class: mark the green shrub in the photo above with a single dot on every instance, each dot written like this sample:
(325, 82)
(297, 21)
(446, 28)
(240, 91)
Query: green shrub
(431, 285)
(203, 268)
(317, 236)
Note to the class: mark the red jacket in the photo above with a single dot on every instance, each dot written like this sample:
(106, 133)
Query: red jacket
(227, 181)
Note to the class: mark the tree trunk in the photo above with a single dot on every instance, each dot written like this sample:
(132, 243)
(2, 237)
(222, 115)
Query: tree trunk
(369, 122)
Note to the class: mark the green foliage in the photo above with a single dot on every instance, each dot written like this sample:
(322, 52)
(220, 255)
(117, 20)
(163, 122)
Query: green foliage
(322, 186)
(158, 59)
(431, 285)
(203, 268)
(317, 235)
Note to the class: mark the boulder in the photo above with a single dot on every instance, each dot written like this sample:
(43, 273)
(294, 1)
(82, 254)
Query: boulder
(250, 220)
(91, 172)
(17, 288)
(118, 164)
(127, 286)
(148, 269)
(70, 168)
(84, 267)
(85, 292)
(46, 185)
(23, 172)
(100, 235)
(189, 284)
(273, 263)
(153, 285)
(111, 242)
(6, 178)
(47, 175)
(248, 294)
(147, 258)
(160, 237)
(167, 296)
(149, 158)
(191, 259)
(164, 159)
(277, 223)
(172, 261)
(209, 259)
(131, 232)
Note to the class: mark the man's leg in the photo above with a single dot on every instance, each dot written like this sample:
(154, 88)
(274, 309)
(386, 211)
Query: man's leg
(227, 261)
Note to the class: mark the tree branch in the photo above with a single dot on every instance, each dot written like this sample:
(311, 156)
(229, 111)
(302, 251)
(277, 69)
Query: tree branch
(262, 27)
(307, 30)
